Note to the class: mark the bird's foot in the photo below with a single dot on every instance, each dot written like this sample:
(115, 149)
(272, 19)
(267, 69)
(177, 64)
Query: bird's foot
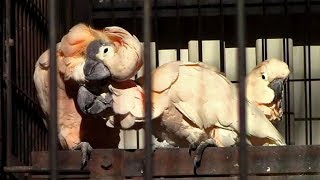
(199, 152)
(193, 146)
(86, 150)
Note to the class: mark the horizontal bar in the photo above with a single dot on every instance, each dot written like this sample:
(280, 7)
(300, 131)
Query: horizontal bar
(285, 177)
(125, 4)
(275, 160)
(30, 169)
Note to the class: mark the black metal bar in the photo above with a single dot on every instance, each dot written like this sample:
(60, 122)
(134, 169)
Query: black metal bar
(199, 32)
(305, 91)
(242, 91)
(2, 135)
(307, 52)
(222, 39)
(148, 84)
(290, 122)
(8, 82)
(53, 89)
(156, 31)
(309, 69)
(178, 38)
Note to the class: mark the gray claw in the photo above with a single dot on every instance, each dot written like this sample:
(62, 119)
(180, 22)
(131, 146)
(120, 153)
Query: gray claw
(199, 152)
(193, 147)
(86, 150)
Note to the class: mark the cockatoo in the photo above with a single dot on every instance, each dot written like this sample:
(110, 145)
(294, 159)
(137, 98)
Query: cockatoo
(101, 93)
(265, 84)
(121, 60)
(195, 105)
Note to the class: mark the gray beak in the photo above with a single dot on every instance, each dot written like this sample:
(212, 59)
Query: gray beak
(95, 70)
(277, 86)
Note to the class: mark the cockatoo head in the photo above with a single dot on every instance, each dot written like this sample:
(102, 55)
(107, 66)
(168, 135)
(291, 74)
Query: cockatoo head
(266, 81)
(120, 53)
(118, 50)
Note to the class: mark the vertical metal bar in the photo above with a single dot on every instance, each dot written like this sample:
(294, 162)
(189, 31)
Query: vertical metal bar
(309, 70)
(263, 33)
(2, 143)
(290, 128)
(148, 84)
(199, 31)
(242, 95)
(305, 91)
(8, 82)
(53, 90)
(178, 38)
(222, 59)
(23, 82)
(156, 31)
(2, 158)
(19, 74)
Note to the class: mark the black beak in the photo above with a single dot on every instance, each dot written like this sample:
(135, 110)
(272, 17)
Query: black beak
(95, 70)
(277, 86)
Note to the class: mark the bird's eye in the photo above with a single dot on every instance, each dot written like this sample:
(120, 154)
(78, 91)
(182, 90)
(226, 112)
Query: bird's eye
(105, 50)
(264, 76)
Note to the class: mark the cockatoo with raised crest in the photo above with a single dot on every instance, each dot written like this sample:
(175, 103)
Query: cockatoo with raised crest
(120, 55)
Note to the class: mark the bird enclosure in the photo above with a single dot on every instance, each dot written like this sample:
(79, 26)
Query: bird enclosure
(232, 35)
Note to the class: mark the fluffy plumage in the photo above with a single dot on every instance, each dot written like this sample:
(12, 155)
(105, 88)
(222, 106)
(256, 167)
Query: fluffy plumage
(265, 84)
(74, 127)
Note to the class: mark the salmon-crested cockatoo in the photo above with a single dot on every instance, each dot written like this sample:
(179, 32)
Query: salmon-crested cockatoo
(195, 105)
(121, 59)
(101, 91)
(265, 85)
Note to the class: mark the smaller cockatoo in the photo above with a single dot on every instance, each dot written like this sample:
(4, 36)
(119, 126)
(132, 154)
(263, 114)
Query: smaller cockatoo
(265, 84)
(195, 105)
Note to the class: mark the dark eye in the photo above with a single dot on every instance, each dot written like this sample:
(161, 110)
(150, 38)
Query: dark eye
(263, 76)
(105, 50)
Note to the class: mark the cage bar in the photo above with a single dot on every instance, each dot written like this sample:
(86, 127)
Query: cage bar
(147, 89)
(243, 159)
(53, 90)
(8, 81)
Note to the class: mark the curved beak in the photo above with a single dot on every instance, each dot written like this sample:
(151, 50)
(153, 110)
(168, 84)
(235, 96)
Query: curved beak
(95, 70)
(277, 86)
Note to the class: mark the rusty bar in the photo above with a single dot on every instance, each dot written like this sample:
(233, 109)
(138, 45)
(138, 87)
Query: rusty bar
(272, 177)
(242, 91)
(99, 158)
(262, 160)
(286, 160)
(53, 90)
(30, 169)
(8, 82)
(148, 168)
